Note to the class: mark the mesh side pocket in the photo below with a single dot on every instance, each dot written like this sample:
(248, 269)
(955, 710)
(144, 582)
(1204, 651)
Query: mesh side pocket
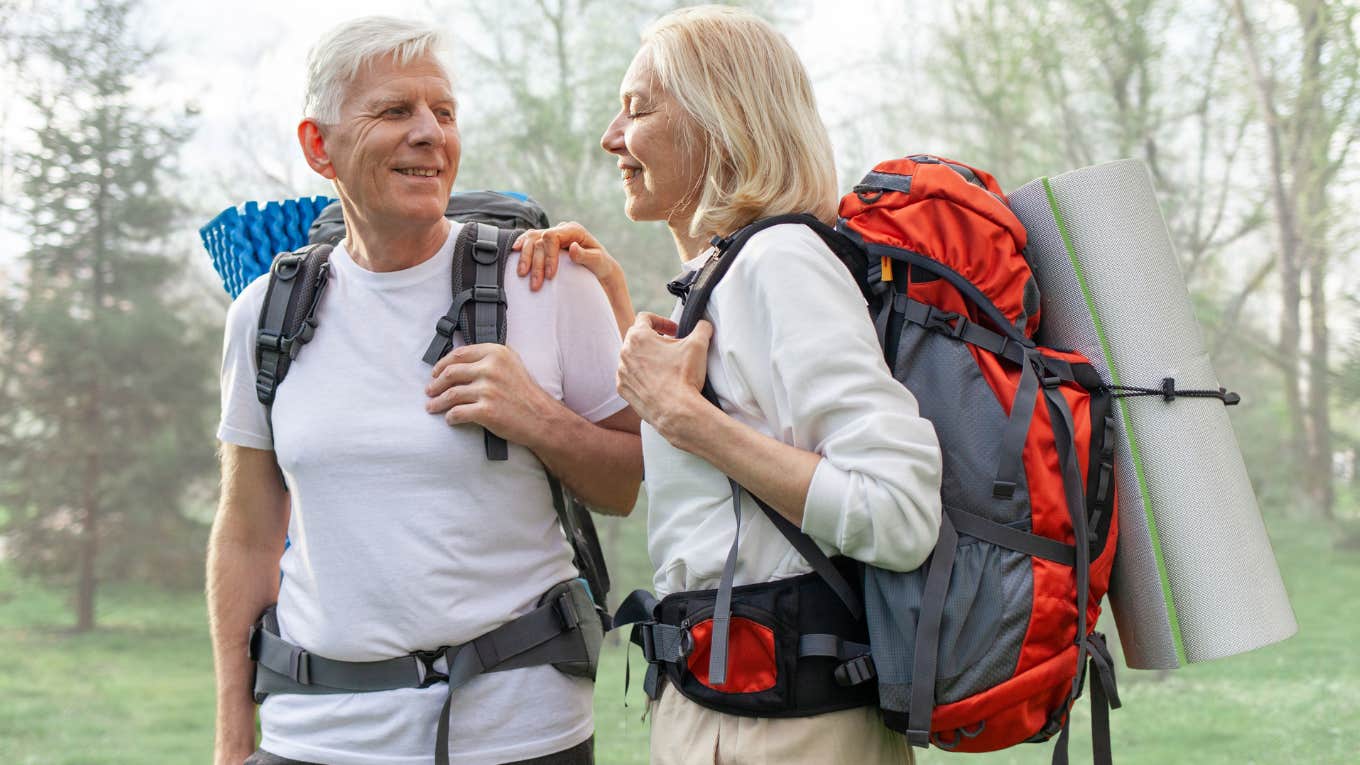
(986, 615)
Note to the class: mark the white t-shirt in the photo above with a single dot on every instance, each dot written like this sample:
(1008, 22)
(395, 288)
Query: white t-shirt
(404, 536)
(794, 356)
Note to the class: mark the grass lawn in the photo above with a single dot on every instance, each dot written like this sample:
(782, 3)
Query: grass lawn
(139, 690)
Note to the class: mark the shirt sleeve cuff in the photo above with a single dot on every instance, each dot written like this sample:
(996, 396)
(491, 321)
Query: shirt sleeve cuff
(229, 435)
(823, 516)
(611, 407)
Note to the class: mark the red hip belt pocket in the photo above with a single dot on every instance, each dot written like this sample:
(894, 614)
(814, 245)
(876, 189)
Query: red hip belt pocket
(752, 665)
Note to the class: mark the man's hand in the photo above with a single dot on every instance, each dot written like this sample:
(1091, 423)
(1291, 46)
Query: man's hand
(487, 384)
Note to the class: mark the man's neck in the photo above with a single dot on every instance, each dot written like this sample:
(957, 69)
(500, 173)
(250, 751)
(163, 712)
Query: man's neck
(393, 248)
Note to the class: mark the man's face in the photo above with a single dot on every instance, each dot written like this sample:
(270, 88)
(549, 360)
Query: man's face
(394, 153)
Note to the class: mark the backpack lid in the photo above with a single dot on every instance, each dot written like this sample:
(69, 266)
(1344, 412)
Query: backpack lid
(954, 215)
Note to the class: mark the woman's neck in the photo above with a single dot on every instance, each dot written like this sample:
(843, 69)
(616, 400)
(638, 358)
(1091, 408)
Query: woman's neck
(688, 245)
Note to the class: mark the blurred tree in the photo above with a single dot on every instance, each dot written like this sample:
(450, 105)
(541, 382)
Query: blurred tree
(1307, 85)
(1032, 88)
(107, 380)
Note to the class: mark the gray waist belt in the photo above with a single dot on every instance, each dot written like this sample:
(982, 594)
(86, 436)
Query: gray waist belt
(564, 630)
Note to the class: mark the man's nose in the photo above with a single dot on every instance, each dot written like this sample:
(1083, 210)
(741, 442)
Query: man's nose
(425, 128)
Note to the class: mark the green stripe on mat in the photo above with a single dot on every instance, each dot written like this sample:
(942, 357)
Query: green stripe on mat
(1128, 430)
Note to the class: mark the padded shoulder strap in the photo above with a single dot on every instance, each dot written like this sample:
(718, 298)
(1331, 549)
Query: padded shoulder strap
(478, 311)
(288, 316)
(696, 302)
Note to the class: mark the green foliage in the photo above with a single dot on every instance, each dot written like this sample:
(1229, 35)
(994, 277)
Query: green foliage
(106, 372)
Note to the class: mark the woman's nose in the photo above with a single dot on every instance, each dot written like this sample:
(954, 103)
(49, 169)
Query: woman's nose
(612, 140)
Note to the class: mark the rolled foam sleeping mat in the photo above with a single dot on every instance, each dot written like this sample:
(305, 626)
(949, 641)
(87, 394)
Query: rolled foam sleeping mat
(1194, 577)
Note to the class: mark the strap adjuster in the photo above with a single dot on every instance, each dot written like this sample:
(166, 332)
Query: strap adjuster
(485, 251)
(858, 670)
(566, 612)
(445, 326)
(299, 666)
(487, 294)
(648, 641)
(428, 674)
(253, 642)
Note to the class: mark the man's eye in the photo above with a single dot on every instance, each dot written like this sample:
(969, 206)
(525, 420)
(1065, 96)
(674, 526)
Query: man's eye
(395, 111)
(635, 115)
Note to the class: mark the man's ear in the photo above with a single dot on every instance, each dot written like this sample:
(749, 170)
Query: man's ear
(314, 148)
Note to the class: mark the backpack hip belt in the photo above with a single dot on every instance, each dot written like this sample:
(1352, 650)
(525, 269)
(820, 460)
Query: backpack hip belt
(564, 630)
(794, 649)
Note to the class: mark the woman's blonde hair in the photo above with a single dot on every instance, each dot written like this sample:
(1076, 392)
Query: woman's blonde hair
(766, 150)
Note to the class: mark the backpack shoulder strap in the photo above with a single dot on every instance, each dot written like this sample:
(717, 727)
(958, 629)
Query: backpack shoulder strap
(695, 303)
(478, 310)
(288, 316)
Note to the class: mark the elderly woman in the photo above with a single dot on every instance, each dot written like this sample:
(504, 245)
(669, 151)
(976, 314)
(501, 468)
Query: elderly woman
(718, 129)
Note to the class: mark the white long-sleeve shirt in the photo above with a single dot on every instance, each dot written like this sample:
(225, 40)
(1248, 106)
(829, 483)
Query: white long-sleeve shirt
(794, 356)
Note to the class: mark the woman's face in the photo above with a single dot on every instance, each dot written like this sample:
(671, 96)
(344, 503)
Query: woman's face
(661, 169)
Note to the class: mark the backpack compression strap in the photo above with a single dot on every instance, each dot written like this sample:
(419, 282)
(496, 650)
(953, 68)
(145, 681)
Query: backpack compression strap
(696, 300)
(477, 311)
(288, 316)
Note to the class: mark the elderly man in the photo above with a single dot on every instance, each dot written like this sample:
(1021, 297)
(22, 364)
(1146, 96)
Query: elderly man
(404, 538)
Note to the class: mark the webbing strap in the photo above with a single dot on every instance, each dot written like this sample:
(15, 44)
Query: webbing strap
(485, 248)
(876, 181)
(1011, 538)
(1011, 454)
(722, 605)
(925, 660)
(818, 560)
(830, 646)
(1064, 436)
(961, 328)
(545, 635)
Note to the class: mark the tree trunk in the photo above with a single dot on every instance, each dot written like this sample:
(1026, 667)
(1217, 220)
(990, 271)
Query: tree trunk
(1286, 219)
(89, 542)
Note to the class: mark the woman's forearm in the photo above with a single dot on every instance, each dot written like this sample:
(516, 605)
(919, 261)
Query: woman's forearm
(778, 473)
(616, 290)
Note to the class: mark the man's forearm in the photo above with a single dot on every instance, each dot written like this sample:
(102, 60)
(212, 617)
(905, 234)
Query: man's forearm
(601, 463)
(242, 581)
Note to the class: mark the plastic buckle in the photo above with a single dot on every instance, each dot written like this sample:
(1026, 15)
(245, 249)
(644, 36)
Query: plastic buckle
(445, 326)
(253, 642)
(482, 294)
(270, 341)
(299, 666)
(285, 268)
(960, 327)
(485, 252)
(940, 320)
(566, 612)
(265, 386)
(648, 641)
(428, 674)
(858, 670)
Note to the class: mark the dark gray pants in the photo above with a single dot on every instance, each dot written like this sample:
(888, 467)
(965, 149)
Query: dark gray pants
(581, 754)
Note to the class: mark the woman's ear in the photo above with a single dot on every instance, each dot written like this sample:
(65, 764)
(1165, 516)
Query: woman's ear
(313, 144)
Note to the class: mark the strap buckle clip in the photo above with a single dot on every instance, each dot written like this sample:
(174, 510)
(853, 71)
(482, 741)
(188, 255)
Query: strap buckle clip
(858, 670)
(566, 612)
(484, 294)
(428, 674)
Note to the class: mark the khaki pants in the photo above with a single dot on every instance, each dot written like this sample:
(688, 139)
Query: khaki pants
(684, 733)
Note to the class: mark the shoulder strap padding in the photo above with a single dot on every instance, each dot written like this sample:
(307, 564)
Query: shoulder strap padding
(288, 315)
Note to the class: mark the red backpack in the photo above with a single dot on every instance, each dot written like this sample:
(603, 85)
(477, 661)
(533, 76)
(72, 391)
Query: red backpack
(986, 645)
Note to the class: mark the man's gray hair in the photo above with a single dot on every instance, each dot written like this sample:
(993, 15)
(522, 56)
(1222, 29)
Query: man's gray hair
(335, 60)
